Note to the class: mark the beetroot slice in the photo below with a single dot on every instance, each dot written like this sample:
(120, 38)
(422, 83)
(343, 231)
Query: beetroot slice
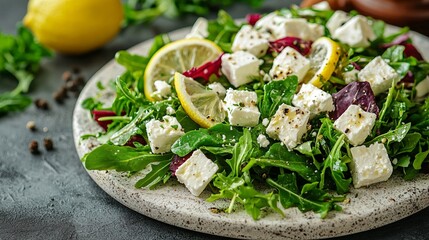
(177, 162)
(355, 93)
(206, 70)
(136, 138)
(252, 18)
(103, 113)
(411, 51)
(302, 46)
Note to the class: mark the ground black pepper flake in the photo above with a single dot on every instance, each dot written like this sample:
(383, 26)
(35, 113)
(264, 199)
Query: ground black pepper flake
(49, 144)
(60, 95)
(33, 147)
(67, 76)
(41, 104)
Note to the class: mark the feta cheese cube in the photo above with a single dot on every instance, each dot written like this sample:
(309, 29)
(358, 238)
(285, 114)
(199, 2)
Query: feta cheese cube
(357, 32)
(162, 89)
(370, 165)
(337, 20)
(289, 62)
(265, 122)
(313, 100)
(199, 29)
(250, 40)
(379, 74)
(170, 110)
(322, 6)
(296, 27)
(422, 88)
(274, 26)
(351, 76)
(239, 67)
(356, 124)
(270, 26)
(288, 125)
(196, 172)
(242, 108)
(262, 141)
(162, 134)
(218, 88)
(316, 31)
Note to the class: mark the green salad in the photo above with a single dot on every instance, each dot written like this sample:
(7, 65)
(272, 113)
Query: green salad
(289, 109)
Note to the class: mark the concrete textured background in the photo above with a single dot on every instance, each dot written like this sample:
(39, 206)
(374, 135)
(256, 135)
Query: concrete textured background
(50, 195)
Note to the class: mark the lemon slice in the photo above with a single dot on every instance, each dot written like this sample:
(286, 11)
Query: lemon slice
(324, 57)
(177, 56)
(200, 103)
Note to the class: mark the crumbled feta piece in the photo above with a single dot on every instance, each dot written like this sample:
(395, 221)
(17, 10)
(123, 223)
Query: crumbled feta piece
(322, 6)
(295, 27)
(270, 26)
(356, 32)
(379, 74)
(162, 89)
(250, 40)
(242, 108)
(356, 124)
(313, 100)
(196, 172)
(288, 125)
(265, 122)
(199, 29)
(351, 76)
(337, 20)
(422, 88)
(239, 67)
(370, 165)
(273, 27)
(316, 31)
(289, 62)
(262, 141)
(218, 88)
(162, 134)
(170, 110)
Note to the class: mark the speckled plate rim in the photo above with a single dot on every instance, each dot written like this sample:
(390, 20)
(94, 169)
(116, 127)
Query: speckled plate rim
(368, 208)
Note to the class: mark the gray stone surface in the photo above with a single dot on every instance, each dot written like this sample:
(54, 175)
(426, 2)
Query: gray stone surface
(50, 195)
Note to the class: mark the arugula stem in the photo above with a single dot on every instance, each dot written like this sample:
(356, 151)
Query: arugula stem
(231, 205)
(338, 144)
(116, 118)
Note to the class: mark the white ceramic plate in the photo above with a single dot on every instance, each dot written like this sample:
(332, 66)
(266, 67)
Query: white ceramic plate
(368, 208)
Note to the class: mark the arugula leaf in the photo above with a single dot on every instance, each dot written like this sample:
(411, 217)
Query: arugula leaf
(216, 136)
(187, 123)
(241, 153)
(132, 128)
(276, 93)
(20, 56)
(234, 188)
(280, 156)
(289, 198)
(222, 30)
(407, 144)
(134, 62)
(10, 102)
(419, 159)
(159, 172)
(121, 158)
(395, 135)
(337, 167)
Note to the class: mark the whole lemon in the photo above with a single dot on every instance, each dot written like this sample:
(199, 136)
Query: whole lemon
(74, 26)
